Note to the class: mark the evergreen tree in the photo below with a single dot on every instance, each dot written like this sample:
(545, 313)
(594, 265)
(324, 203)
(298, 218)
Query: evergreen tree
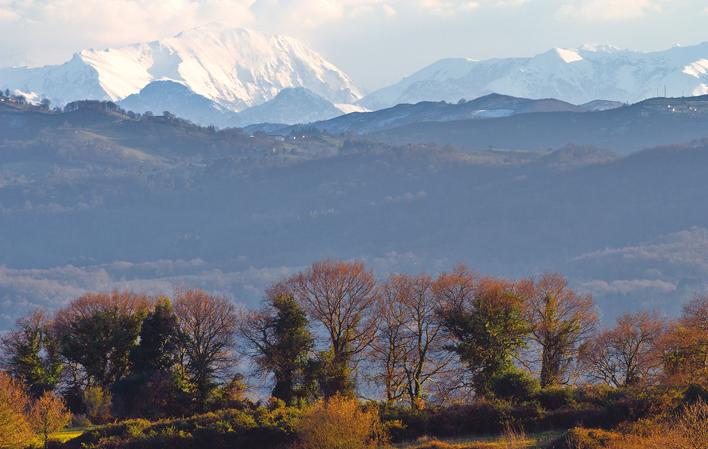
(281, 341)
(159, 341)
(31, 355)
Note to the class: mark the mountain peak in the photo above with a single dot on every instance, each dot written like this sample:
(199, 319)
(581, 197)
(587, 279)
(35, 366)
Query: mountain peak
(234, 67)
(576, 76)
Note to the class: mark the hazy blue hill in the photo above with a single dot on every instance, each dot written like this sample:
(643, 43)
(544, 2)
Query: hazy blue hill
(96, 199)
(659, 121)
(180, 100)
(488, 106)
(290, 106)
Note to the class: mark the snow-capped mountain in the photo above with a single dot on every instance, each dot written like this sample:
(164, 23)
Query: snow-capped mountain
(574, 75)
(236, 68)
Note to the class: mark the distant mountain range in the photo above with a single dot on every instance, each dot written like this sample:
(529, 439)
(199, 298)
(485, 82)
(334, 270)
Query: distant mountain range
(235, 68)
(292, 105)
(489, 106)
(573, 75)
(627, 129)
(214, 75)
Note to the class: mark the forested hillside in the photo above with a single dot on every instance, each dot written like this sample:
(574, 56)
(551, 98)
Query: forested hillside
(95, 198)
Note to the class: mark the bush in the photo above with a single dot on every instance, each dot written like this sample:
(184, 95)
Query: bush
(340, 423)
(516, 386)
(223, 429)
(98, 404)
(553, 398)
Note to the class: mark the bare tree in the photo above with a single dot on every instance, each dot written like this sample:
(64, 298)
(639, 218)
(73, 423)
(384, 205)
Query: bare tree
(340, 296)
(626, 355)
(561, 321)
(424, 357)
(207, 326)
(389, 346)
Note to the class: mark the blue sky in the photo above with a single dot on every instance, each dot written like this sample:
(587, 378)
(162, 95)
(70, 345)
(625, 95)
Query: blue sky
(376, 41)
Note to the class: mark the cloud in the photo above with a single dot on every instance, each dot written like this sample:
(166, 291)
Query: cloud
(628, 286)
(449, 7)
(609, 10)
(687, 249)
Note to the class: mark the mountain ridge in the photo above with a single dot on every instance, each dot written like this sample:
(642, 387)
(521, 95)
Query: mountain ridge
(237, 68)
(574, 75)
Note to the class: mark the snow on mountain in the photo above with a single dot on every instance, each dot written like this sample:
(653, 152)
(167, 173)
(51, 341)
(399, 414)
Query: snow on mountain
(236, 68)
(574, 75)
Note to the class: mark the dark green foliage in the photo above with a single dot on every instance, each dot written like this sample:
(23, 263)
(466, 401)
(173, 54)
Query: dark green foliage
(553, 398)
(101, 344)
(290, 347)
(695, 393)
(31, 355)
(514, 385)
(159, 341)
(99, 331)
(152, 389)
(225, 429)
(281, 341)
(150, 395)
(487, 330)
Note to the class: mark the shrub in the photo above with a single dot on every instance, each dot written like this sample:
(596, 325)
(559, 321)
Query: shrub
(340, 423)
(98, 404)
(553, 398)
(514, 385)
(693, 424)
(580, 438)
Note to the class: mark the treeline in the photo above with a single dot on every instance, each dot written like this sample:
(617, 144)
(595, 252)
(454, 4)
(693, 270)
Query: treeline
(335, 330)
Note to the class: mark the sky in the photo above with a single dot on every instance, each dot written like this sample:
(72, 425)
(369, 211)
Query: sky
(377, 42)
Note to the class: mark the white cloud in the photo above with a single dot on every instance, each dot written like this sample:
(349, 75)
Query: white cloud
(449, 7)
(687, 249)
(628, 286)
(609, 10)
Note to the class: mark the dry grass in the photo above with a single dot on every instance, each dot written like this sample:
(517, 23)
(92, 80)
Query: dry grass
(510, 439)
(688, 431)
(65, 435)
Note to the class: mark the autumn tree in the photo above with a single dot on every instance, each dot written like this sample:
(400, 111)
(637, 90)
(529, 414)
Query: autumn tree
(627, 354)
(685, 345)
(31, 355)
(561, 321)
(49, 414)
(98, 331)
(207, 327)
(15, 428)
(279, 340)
(409, 345)
(341, 297)
(387, 349)
(484, 320)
